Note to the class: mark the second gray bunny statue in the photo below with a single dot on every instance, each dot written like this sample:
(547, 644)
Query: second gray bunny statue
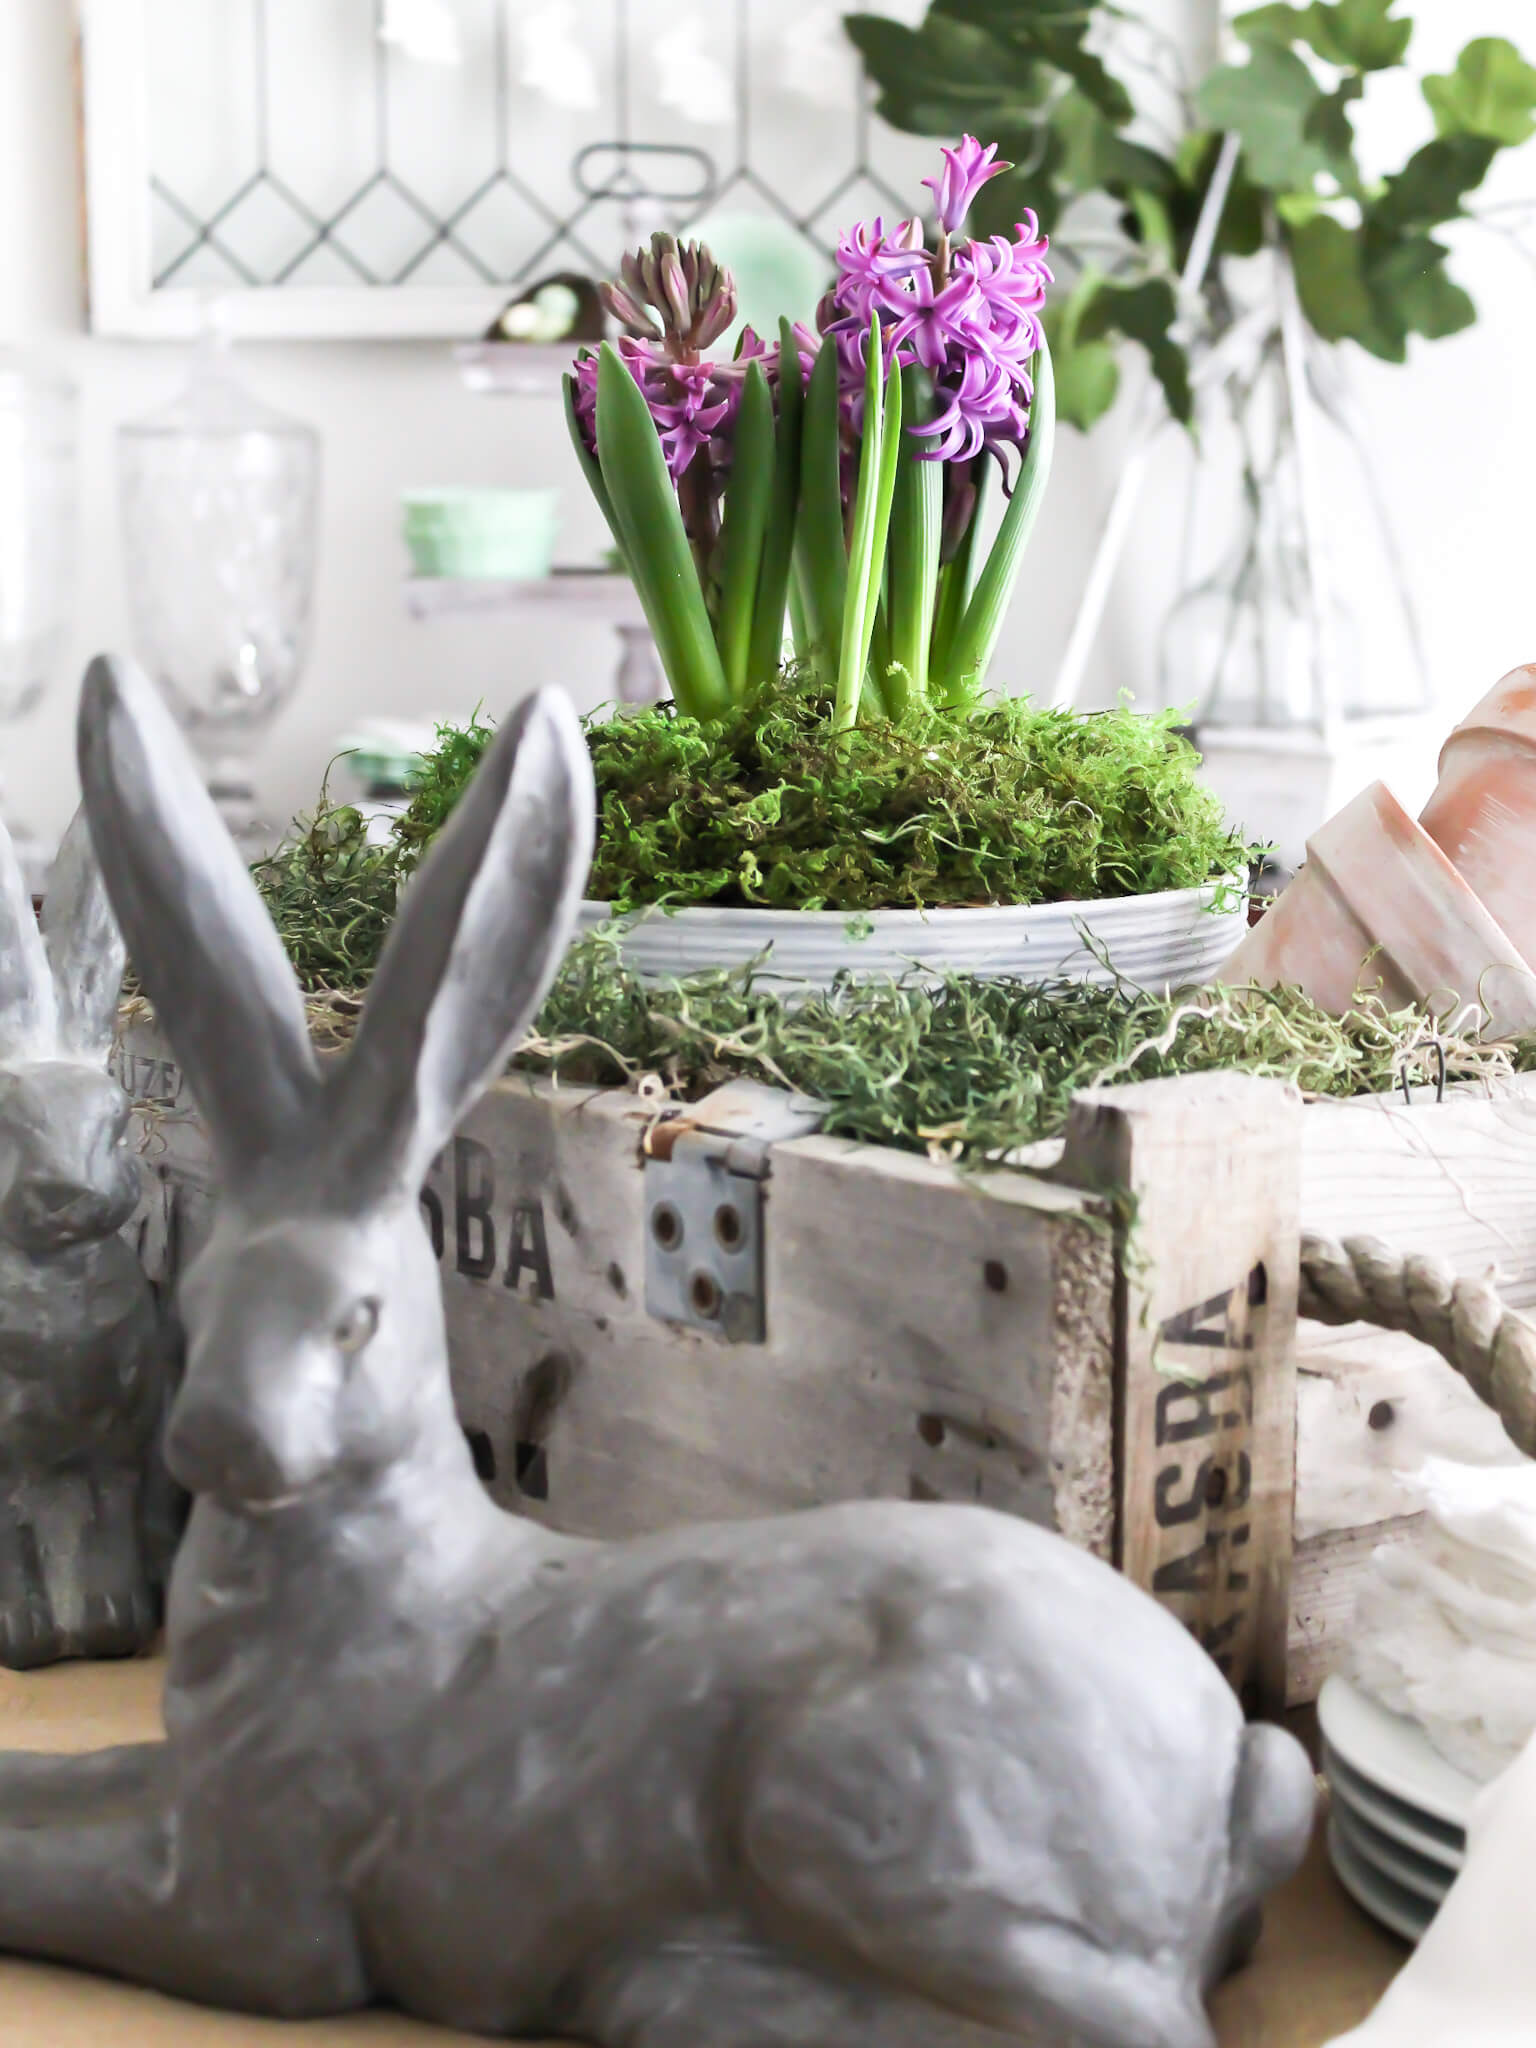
(873, 1776)
(83, 1359)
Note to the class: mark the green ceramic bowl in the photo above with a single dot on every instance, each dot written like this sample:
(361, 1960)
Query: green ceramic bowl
(481, 534)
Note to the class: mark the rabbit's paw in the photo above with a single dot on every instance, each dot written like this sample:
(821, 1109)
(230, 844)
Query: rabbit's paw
(29, 1636)
(119, 1624)
(29, 1630)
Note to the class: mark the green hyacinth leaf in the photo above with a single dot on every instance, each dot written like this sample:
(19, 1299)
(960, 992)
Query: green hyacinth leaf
(871, 527)
(589, 466)
(748, 504)
(649, 528)
(773, 588)
(977, 637)
(821, 555)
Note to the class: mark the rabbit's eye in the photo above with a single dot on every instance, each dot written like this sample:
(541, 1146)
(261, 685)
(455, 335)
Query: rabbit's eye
(358, 1325)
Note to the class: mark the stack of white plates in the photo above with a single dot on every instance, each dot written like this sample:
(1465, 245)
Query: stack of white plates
(1397, 1824)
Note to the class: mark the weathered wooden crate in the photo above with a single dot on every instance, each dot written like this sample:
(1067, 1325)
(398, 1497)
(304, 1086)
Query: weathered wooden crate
(658, 1315)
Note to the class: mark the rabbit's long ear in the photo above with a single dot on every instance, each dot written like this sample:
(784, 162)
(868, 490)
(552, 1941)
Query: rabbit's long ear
(197, 933)
(480, 932)
(85, 947)
(26, 990)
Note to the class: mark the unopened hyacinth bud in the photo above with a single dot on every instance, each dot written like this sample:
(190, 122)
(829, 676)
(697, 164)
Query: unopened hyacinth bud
(628, 311)
(683, 286)
(674, 290)
(965, 171)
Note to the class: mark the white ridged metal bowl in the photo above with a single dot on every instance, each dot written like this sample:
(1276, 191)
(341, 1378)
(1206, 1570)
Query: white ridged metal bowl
(1171, 940)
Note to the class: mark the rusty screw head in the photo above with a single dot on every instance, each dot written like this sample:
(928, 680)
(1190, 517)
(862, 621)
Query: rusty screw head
(705, 1296)
(666, 1226)
(728, 1226)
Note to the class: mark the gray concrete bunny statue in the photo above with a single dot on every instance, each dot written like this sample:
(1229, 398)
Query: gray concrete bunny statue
(875, 1776)
(82, 1358)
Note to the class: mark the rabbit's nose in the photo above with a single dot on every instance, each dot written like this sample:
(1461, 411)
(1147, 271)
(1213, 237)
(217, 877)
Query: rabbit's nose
(212, 1448)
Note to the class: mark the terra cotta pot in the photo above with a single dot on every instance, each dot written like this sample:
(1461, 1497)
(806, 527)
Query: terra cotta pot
(1483, 814)
(1379, 908)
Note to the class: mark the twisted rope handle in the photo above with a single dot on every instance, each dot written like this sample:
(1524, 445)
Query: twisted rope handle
(1362, 1280)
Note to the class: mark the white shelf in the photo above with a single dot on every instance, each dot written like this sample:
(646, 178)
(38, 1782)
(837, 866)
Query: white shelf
(591, 595)
(514, 369)
(585, 593)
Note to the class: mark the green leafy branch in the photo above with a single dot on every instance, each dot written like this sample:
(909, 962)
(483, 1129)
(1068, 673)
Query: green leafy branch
(1370, 264)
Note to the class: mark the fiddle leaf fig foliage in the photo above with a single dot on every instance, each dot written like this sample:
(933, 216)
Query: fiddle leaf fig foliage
(1273, 103)
(1144, 312)
(1357, 35)
(1433, 183)
(1087, 387)
(1491, 93)
(1055, 82)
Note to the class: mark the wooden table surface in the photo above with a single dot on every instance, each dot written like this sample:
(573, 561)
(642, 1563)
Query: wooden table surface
(1321, 1966)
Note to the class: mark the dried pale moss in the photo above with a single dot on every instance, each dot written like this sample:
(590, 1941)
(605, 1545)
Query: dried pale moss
(770, 807)
(973, 1070)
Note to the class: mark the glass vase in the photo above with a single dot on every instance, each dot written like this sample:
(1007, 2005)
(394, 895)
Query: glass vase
(220, 502)
(37, 551)
(1255, 642)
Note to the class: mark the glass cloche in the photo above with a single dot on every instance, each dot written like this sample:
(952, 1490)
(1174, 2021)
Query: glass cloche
(220, 499)
(37, 548)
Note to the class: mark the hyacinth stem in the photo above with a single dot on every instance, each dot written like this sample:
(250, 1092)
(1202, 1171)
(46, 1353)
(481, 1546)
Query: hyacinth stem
(748, 504)
(648, 526)
(878, 681)
(773, 588)
(976, 640)
(820, 554)
(917, 520)
(944, 610)
(871, 526)
(799, 621)
(957, 579)
(696, 502)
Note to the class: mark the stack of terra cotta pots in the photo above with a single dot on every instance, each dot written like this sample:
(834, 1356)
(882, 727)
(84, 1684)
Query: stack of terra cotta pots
(1439, 911)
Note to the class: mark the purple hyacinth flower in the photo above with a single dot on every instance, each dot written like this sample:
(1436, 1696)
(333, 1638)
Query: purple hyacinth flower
(965, 171)
(687, 410)
(1011, 278)
(939, 321)
(984, 407)
(875, 270)
(689, 402)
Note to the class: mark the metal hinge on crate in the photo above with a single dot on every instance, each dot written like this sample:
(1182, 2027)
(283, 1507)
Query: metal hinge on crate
(704, 1210)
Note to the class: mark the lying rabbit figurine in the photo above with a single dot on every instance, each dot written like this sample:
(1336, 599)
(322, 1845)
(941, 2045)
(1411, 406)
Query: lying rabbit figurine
(82, 1360)
(887, 1775)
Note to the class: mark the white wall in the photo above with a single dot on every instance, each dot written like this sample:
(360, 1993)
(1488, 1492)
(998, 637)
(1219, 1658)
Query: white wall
(1452, 433)
(393, 417)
